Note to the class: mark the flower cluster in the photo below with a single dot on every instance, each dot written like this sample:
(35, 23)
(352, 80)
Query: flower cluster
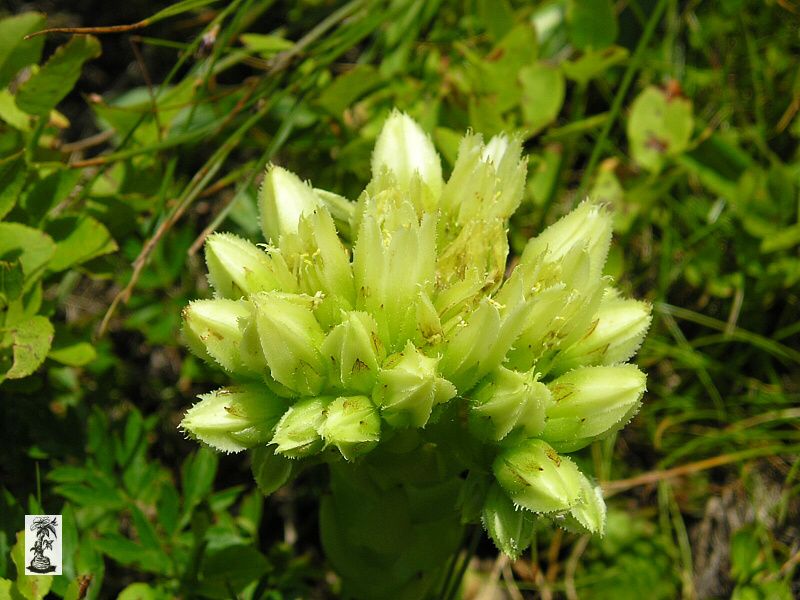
(362, 319)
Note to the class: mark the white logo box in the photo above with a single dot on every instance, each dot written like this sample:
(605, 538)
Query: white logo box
(43, 545)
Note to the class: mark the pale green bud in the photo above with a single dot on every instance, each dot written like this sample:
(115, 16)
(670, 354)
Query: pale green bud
(482, 246)
(234, 418)
(511, 528)
(613, 337)
(506, 400)
(353, 425)
(213, 330)
(469, 344)
(409, 387)
(406, 150)
(290, 339)
(591, 402)
(354, 351)
(589, 513)
(298, 432)
(322, 264)
(340, 208)
(238, 268)
(282, 200)
(537, 478)
(588, 227)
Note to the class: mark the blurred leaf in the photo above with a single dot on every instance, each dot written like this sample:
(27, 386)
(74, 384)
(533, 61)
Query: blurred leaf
(229, 570)
(197, 476)
(11, 114)
(542, 95)
(76, 354)
(40, 94)
(593, 63)
(179, 8)
(12, 180)
(30, 341)
(348, 88)
(49, 191)
(658, 127)
(31, 587)
(270, 470)
(266, 45)
(497, 16)
(592, 24)
(11, 280)
(15, 51)
(78, 239)
(32, 247)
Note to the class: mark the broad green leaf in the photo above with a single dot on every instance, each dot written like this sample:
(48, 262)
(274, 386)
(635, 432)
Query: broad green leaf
(138, 591)
(40, 94)
(78, 239)
(497, 17)
(48, 192)
(31, 340)
(266, 45)
(15, 51)
(593, 63)
(270, 470)
(592, 24)
(11, 281)
(12, 178)
(542, 95)
(348, 88)
(32, 247)
(11, 114)
(30, 587)
(76, 354)
(658, 127)
(197, 476)
(228, 570)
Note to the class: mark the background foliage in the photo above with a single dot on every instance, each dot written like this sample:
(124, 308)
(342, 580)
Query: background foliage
(120, 151)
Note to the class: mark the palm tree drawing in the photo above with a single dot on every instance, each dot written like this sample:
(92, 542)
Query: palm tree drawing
(43, 527)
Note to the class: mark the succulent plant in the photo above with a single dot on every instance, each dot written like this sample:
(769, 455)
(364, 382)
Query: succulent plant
(439, 389)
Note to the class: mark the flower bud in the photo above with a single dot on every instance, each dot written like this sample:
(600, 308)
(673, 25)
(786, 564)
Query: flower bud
(614, 336)
(506, 400)
(298, 432)
(213, 330)
(510, 528)
(282, 200)
(589, 512)
(588, 227)
(469, 345)
(353, 425)
(234, 418)
(537, 478)
(406, 150)
(354, 351)
(591, 402)
(238, 268)
(290, 339)
(408, 388)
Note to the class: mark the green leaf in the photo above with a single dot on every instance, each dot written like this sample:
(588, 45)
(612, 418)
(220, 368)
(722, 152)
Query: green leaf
(11, 114)
(138, 591)
(592, 24)
(32, 247)
(12, 179)
(15, 51)
(593, 63)
(31, 587)
(348, 88)
(31, 340)
(78, 239)
(40, 94)
(265, 45)
(76, 354)
(270, 470)
(11, 281)
(48, 192)
(542, 95)
(230, 569)
(658, 127)
(178, 8)
(197, 477)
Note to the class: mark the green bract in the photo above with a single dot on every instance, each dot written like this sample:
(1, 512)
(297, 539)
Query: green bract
(406, 358)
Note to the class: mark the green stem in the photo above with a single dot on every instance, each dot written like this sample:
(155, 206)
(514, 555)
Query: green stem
(616, 106)
(449, 593)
